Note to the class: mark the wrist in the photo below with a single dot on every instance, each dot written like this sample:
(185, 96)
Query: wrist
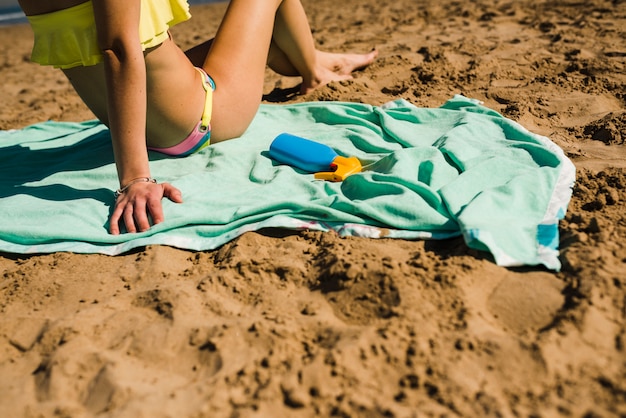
(125, 186)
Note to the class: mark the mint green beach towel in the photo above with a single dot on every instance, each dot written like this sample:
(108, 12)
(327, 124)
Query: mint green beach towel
(461, 169)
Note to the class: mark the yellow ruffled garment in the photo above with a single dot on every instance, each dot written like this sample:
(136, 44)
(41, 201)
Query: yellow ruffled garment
(68, 38)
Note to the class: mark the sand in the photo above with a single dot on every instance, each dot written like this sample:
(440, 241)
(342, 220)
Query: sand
(285, 324)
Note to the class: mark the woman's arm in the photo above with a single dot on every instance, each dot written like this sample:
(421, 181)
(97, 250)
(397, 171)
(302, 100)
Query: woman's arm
(117, 23)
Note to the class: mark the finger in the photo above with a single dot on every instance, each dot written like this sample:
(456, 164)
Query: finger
(140, 216)
(114, 221)
(172, 193)
(156, 211)
(129, 220)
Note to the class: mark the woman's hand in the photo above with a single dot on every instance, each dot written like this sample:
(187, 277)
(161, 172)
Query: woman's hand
(139, 206)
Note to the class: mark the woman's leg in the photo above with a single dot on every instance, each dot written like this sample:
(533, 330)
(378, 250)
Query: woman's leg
(254, 33)
(339, 63)
(237, 61)
(332, 64)
(317, 68)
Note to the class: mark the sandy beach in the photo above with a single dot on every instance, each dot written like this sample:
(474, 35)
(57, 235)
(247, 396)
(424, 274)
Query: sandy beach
(308, 324)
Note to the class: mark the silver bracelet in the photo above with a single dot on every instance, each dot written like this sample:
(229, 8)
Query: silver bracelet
(118, 192)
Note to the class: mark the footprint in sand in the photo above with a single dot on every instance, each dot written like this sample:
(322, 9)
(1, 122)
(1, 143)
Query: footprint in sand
(526, 301)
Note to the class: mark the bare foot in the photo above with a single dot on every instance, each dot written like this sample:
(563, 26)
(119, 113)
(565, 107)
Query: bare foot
(336, 67)
(345, 64)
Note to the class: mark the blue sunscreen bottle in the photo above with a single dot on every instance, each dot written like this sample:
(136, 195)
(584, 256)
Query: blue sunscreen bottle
(313, 157)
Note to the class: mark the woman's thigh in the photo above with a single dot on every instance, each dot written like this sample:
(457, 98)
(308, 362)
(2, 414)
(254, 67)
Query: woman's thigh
(237, 61)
